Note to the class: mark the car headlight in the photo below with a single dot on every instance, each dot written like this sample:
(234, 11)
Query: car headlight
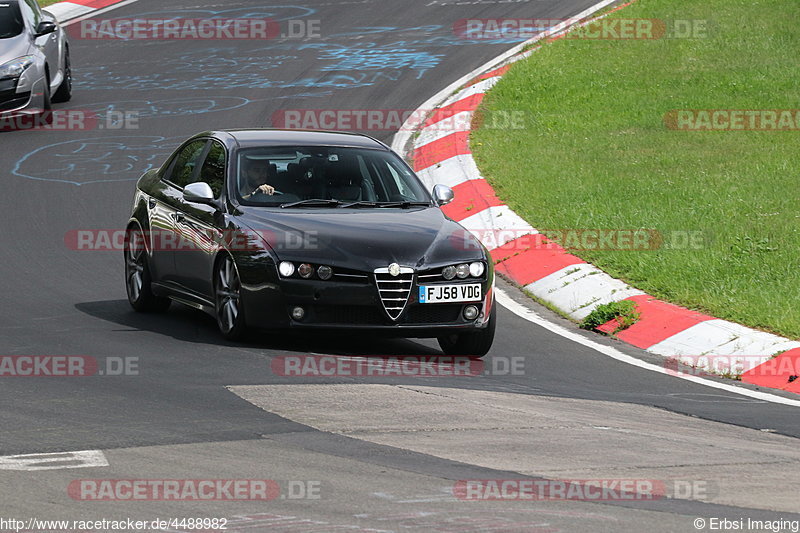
(476, 269)
(324, 272)
(286, 269)
(305, 270)
(15, 67)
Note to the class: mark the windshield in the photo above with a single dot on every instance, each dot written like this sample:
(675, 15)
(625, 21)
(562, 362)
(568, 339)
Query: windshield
(10, 20)
(284, 175)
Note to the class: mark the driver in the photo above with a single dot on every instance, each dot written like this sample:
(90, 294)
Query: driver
(254, 177)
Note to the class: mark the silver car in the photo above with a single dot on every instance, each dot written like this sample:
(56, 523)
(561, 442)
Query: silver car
(34, 59)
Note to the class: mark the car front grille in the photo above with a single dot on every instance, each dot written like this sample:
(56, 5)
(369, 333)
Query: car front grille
(396, 298)
(433, 313)
(429, 276)
(394, 290)
(348, 314)
(350, 276)
(361, 315)
(12, 100)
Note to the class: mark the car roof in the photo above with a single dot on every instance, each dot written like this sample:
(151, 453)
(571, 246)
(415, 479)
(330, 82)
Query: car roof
(249, 138)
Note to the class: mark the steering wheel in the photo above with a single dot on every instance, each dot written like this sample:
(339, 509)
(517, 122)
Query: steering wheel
(260, 193)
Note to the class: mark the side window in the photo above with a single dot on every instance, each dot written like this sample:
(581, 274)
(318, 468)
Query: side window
(34, 5)
(213, 170)
(11, 23)
(401, 186)
(30, 12)
(182, 169)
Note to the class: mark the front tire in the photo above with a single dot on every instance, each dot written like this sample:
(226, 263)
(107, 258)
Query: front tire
(137, 275)
(47, 105)
(64, 92)
(227, 301)
(473, 343)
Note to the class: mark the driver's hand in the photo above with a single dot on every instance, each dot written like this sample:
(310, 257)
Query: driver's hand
(265, 189)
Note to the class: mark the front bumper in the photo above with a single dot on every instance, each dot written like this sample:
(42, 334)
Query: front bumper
(20, 99)
(336, 305)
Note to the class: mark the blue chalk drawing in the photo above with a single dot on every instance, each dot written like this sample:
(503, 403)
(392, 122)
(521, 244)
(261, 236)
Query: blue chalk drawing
(100, 160)
(345, 61)
(169, 107)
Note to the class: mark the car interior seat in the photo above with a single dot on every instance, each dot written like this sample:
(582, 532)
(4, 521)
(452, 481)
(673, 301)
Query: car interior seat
(346, 181)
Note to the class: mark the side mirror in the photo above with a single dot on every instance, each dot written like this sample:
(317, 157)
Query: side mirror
(199, 193)
(46, 27)
(443, 194)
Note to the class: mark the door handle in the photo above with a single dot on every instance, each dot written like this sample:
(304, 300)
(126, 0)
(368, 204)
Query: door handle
(151, 203)
(179, 218)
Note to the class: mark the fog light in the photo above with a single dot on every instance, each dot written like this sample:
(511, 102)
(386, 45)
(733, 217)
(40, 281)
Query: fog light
(305, 270)
(476, 269)
(324, 272)
(449, 273)
(286, 269)
(298, 313)
(470, 312)
(462, 271)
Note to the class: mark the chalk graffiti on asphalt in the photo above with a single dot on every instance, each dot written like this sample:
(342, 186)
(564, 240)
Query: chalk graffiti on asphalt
(169, 107)
(347, 64)
(99, 160)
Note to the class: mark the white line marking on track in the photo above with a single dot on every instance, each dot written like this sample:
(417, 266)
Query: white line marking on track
(53, 461)
(531, 316)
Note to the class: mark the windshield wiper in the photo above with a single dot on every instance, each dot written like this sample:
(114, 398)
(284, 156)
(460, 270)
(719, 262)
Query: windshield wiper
(313, 202)
(404, 205)
(360, 203)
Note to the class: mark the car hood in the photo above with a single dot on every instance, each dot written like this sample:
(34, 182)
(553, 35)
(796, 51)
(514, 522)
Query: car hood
(14, 47)
(364, 239)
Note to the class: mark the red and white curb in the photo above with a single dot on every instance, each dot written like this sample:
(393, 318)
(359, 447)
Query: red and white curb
(440, 153)
(65, 11)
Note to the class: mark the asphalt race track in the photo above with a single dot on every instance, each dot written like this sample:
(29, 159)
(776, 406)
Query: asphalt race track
(385, 455)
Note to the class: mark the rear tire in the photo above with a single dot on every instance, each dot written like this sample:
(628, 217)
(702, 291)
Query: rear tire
(473, 343)
(137, 275)
(227, 300)
(64, 92)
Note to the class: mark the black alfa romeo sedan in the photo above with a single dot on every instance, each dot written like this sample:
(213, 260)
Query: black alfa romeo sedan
(300, 229)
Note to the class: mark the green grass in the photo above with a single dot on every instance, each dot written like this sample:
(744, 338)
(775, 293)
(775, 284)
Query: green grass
(45, 3)
(624, 312)
(595, 153)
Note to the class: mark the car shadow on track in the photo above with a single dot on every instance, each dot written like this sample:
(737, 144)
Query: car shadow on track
(190, 325)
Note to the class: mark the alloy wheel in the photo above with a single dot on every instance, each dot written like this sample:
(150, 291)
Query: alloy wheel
(228, 290)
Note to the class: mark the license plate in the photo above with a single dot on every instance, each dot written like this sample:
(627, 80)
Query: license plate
(431, 294)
